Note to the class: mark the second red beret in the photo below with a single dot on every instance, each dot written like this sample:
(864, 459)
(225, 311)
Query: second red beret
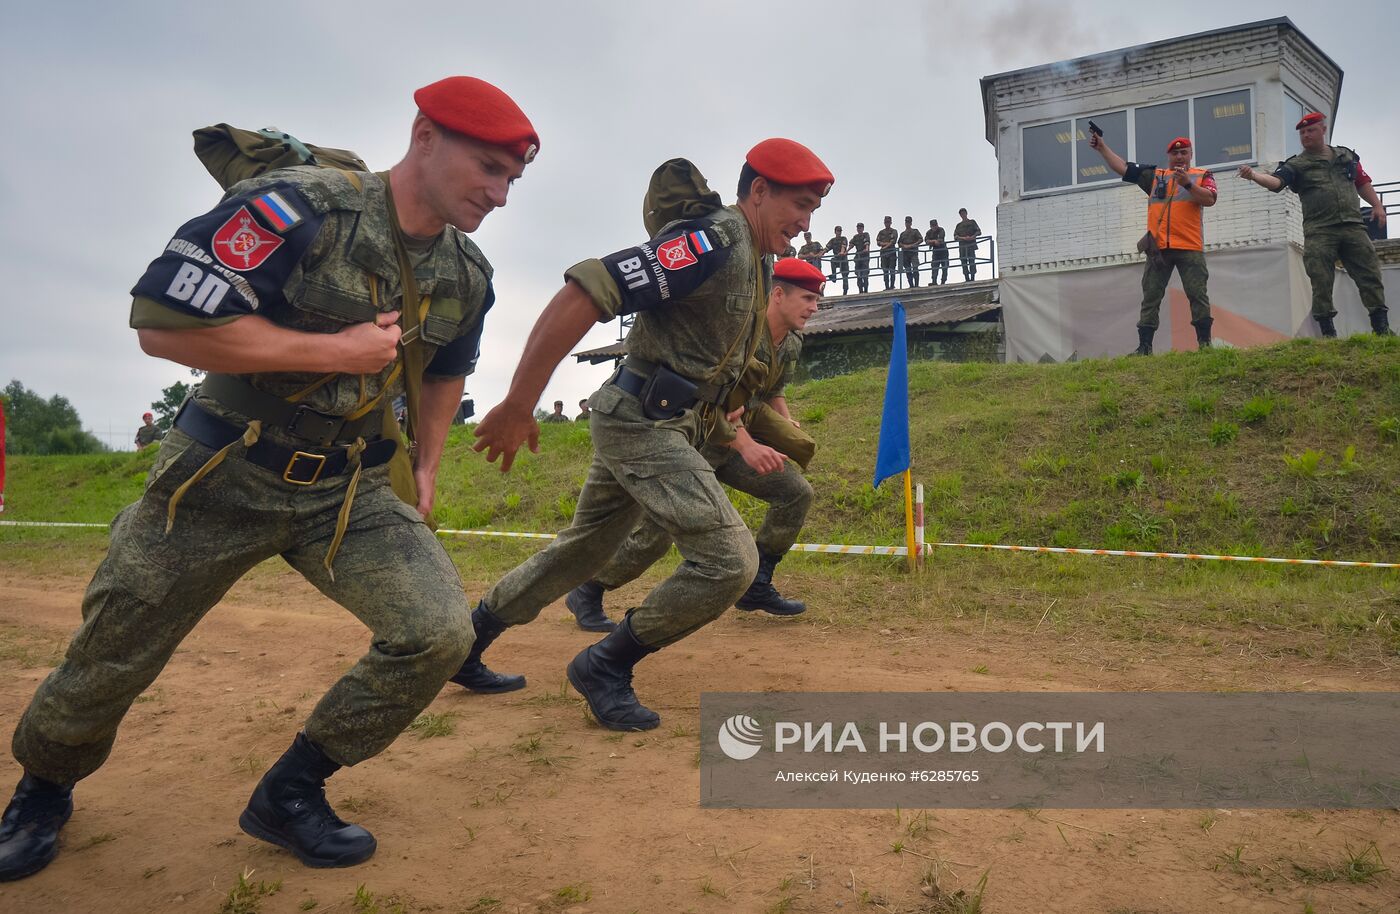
(800, 273)
(1312, 117)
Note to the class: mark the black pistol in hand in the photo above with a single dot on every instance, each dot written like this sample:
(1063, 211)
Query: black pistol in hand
(1095, 129)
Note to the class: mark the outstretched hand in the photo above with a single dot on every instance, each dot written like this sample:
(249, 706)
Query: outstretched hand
(503, 430)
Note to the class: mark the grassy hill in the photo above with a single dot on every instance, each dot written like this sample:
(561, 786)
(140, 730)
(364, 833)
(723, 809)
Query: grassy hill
(1290, 450)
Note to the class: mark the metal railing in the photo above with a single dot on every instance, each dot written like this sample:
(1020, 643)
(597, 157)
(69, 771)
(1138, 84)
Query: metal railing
(1389, 193)
(953, 269)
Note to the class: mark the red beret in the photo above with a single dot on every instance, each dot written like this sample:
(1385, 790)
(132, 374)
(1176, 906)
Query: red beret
(479, 110)
(147, 416)
(789, 162)
(800, 273)
(1180, 142)
(1309, 119)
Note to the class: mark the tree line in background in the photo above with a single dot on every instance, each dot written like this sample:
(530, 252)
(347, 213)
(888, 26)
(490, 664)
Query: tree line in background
(34, 425)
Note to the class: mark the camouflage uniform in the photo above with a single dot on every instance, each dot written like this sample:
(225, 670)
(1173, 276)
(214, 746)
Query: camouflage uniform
(909, 257)
(1332, 226)
(838, 245)
(147, 435)
(787, 492)
(860, 246)
(389, 570)
(653, 468)
(887, 255)
(812, 253)
(967, 250)
(936, 239)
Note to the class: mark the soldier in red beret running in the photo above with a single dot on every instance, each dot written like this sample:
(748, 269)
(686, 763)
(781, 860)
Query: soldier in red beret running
(698, 289)
(758, 462)
(291, 289)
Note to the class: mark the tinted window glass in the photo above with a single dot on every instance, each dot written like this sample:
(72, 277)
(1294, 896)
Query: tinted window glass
(1156, 127)
(1045, 156)
(1090, 167)
(1223, 128)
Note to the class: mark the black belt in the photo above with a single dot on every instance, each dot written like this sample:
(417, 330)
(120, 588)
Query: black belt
(295, 419)
(629, 381)
(636, 371)
(301, 468)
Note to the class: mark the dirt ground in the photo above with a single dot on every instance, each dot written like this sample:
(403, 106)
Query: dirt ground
(527, 806)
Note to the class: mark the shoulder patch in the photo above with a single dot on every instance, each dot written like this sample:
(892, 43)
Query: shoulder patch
(229, 261)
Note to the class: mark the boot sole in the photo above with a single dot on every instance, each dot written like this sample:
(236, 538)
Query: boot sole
(625, 728)
(252, 826)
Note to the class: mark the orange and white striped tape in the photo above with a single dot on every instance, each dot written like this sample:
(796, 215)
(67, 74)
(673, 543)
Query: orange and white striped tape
(838, 549)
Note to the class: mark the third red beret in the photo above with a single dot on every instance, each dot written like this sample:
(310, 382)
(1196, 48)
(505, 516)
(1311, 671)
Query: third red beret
(1311, 117)
(477, 109)
(789, 162)
(800, 273)
(1179, 143)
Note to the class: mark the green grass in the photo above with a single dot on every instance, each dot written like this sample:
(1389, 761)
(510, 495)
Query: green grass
(1076, 454)
(1291, 450)
(246, 896)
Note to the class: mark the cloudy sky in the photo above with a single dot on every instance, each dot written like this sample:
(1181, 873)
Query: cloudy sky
(98, 101)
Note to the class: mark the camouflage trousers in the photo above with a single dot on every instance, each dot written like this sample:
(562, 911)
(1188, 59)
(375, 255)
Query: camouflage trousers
(1191, 267)
(153, 587)
(787, 492)
(642, 469)
(1349, 243)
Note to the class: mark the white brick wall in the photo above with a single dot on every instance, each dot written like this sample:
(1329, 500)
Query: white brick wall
(1098, 226)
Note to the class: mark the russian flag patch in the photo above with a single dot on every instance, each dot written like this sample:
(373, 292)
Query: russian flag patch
(701, 242)
(279, 215)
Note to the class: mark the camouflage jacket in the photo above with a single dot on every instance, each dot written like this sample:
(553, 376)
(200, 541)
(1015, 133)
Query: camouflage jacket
(307, 250)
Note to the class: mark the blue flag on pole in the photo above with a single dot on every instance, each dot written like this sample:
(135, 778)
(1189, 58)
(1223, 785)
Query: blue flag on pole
(892, 458)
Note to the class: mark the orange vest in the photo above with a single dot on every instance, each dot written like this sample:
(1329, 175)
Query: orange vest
(1173, 218)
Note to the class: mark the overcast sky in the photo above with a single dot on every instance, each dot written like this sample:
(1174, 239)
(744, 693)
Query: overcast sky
(97, 101)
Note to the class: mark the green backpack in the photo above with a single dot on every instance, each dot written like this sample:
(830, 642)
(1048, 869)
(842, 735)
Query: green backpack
(232, 154)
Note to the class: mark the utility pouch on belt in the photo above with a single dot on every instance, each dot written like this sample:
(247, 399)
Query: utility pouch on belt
(1147, 244)
(666, 394)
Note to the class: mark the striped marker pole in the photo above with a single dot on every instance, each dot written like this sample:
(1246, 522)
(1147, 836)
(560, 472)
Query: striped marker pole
(919, 522)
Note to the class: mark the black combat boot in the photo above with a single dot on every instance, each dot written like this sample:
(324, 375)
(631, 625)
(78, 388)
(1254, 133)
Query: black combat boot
(474, 675)
(1380, 323)
(1329, 329)
(586, 603)
(29, 830)
(289, 809)
(1203, 333)
(763, 595)
(602, 674)
(1145, 335)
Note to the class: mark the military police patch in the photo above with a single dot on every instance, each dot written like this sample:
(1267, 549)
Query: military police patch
(659, 271)
(226, 262)
(675, 254)
(242, 244)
